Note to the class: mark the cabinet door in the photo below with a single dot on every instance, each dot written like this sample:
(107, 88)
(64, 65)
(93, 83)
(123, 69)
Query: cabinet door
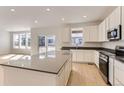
(86, 34)
(117, 16)
(80, 56)
(106, 27)
(102, 32)
(87, 56)
(111, 20)
(66, 34)
(117, 83)
(111, 71)
(91, 34)
(96, 60)
(119, 71)
(107, 24)
(122, 22)
(74, 55)
(94, 34)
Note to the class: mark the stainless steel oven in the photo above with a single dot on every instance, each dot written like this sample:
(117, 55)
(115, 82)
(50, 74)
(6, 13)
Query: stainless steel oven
(115, 33)
(104, 66)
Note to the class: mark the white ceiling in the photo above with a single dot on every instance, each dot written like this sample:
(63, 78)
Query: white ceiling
(24, 16)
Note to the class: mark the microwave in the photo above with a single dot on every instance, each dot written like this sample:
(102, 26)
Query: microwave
(114, 34)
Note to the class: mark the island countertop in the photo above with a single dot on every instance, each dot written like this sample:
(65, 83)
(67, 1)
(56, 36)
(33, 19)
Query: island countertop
(50, 62)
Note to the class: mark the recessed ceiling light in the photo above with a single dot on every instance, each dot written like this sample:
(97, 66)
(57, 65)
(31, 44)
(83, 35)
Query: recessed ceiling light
(35, 21)
(12, 10)
(62, 19)
(48, 9)
(84, 16)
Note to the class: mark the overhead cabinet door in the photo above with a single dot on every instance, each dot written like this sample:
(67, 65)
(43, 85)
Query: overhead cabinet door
(123, 23)
(115, 18)
(66, 34)
(102, 32)
(90, 34)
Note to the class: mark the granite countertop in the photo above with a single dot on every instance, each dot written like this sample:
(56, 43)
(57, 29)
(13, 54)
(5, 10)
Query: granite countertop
(50, 62)
(106, 51)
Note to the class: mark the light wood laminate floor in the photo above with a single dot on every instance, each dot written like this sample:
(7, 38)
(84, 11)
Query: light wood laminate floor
(85, 75)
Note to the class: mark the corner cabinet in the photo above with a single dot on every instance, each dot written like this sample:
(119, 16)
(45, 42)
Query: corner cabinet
(90, 33)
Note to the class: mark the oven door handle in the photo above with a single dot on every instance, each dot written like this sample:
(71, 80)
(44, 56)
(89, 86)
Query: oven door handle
(105, 60)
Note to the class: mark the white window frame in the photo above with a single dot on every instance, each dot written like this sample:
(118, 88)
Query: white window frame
(20, 47)
(29, 47)
(76, 29)
(46, 42)
(16, 47)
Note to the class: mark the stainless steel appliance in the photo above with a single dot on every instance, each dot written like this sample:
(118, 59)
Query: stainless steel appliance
(115, 33)
(119, 50)
(104, 66)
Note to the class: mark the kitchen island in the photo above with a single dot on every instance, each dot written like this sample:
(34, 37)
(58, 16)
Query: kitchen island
(52, 68)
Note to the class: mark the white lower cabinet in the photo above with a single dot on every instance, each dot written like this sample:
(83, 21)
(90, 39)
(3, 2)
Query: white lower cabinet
(85, 56)
(118, 73)
(96, 60)
(111, 71)
(74, 55)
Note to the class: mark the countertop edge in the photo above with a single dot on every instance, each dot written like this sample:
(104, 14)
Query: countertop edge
(28, 69)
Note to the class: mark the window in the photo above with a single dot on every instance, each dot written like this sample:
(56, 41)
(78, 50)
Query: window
(29, 40)
(22, 40)
(51, 43)
(77, 38)
(15, 41)
(42, 44)
(46, 43)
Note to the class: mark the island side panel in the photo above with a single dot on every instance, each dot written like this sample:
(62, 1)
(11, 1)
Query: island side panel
(1, 76)
(64, 73)
(22, 77)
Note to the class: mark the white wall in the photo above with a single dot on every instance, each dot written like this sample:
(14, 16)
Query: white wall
(4, 42)
(112, 44)
(35, 32)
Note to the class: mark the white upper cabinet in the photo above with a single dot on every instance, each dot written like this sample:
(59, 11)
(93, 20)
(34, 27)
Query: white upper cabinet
(112, 21)
(122, 22)
(107, 24)
(90, 34)
(115, 18)
(102, 32)
(66, 34)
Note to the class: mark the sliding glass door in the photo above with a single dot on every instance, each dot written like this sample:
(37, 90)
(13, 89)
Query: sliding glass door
(46, 43)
